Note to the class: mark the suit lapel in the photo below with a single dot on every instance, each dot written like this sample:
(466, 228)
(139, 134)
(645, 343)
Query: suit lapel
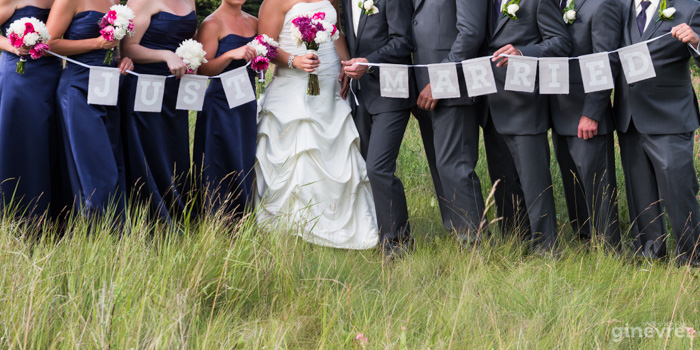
(632, 23)
(417, 3)
(579, 4)
(360, 28)
(502, 22)
(655, 23)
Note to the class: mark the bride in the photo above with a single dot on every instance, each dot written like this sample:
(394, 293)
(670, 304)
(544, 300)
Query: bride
(310, 173)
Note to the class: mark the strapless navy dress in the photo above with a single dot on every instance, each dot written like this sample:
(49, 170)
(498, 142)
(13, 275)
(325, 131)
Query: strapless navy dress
(157, 144)
(27, 127)
(92, 149)
(224, 143)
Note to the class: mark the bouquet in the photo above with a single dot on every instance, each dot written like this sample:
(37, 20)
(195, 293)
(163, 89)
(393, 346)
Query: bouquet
(115, 25)
(30, 33)
(313, 30)
(265, 50)
(192, 53)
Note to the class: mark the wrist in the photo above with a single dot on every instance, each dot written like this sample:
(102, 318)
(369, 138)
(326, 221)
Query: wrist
(291, 62)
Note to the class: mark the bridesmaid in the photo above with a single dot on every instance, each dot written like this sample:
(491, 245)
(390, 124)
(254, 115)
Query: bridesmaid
(157, 144)
(224, 141)
(27, 118)
(92, 152)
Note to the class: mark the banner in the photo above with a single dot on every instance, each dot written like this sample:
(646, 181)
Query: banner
(443, 81)
(149, 93)
(393, 80)
(596, 73)
(478, 74)
(636, 63)
(554, 76)
(237, 87)
(103, 86)
(190, 94)
(521, 74)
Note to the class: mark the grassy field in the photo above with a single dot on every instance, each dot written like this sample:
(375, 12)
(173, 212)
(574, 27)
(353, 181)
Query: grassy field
(217, 284)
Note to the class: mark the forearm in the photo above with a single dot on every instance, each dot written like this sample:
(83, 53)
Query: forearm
(73, 47)
(141, 54)
(5, 44)
(341, 46)
(215, 66)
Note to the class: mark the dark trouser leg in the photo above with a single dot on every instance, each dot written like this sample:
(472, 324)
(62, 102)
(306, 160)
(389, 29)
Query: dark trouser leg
(588, 172)
(672, 159)
(646, 216)
(389, 198)
(531, 157)
(456, 132)
(509, 195)
(425, 124)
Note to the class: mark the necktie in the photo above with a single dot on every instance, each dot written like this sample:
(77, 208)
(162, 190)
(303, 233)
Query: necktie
(642, 16)
(563, 4)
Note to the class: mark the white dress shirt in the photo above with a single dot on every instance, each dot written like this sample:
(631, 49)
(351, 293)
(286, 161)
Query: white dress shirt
(651, 10)
(356, 14)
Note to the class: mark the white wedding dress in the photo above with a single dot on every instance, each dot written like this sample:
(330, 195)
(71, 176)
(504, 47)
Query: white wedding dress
(310, 175)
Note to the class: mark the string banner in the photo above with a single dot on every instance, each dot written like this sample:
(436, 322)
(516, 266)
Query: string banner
(393, 80)
(446, 83)
(149, 93)
(478, 74)
(191, 93)
(103, 86)
(596, 73)
(554, 72)
(237, 87)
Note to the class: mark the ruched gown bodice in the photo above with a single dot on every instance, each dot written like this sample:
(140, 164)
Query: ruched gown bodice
(310, 174)
(27, 127)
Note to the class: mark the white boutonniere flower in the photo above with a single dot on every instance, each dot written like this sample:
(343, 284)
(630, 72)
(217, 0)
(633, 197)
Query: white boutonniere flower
(665, 13)
(368, 7)
(570, 13)
(510, 9)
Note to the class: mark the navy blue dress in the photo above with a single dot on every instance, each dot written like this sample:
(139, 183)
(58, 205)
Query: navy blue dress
(93, 159)
(224, 142)
(157, 144)
(27, 127)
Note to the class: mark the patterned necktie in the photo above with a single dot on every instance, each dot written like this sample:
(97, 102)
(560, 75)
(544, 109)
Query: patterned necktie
(563, 4)
(642, 16)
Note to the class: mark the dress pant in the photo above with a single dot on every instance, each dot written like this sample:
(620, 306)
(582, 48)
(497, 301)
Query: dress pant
(660, 174)
(380, 141)
(590, 187)
(525, 157)
(455, 136)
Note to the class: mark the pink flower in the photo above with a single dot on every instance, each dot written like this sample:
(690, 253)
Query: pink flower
(104, 22)
(130, 27)
(111, 17)
(16, 40)
(691, 332)
(28, 28)
(319, 16)
(361, 339)
(38, 50)
(260, 64)
(107, 33)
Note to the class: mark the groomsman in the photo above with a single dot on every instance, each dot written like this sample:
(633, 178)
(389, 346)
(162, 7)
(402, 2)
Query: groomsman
(583, 125)
(515, 131)
(451, 31)
(381, 35)
(656, 120)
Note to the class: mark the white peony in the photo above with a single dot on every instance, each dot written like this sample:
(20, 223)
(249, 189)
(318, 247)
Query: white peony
(119, 33)
(569, 16)
(260, 49)
(512, 9)
(322, 37)
(31, 39)
(42, 33)
(123, 11)
(368, 5)
(192, 53)
(669, 12)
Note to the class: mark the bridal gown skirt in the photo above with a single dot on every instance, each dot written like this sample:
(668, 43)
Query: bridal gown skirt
(310, 176)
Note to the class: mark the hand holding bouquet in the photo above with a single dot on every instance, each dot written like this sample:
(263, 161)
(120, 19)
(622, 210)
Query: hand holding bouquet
(30, 33)
(192, 53)
(115, 25)
(265, 51)
(313, 30)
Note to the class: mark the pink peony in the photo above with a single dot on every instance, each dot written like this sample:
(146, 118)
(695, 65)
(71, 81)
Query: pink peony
(38, 50)
(260, 64)
(130, 27)
(319, 16)
(111, 17)
(108, 33)
(28, 28)
(16, 40)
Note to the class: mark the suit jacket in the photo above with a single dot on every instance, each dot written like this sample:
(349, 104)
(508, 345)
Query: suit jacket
(384, 37)
(447, 31)
(539, 31)
(598, 28)
(665, 104)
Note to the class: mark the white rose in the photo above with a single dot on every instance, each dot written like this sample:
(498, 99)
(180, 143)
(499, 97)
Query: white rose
(668, 13)
(513, 9)
(570, 16)
(375, 10)
(368, 5)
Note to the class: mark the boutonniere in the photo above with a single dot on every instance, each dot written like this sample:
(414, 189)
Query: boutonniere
(368, 7)
(665, 13)
(510, 9)
(570, 13)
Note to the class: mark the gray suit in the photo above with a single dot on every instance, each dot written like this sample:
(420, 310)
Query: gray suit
(451, 31)
(516, 132)
(384, 37)
(656, 120)
(588, 166)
